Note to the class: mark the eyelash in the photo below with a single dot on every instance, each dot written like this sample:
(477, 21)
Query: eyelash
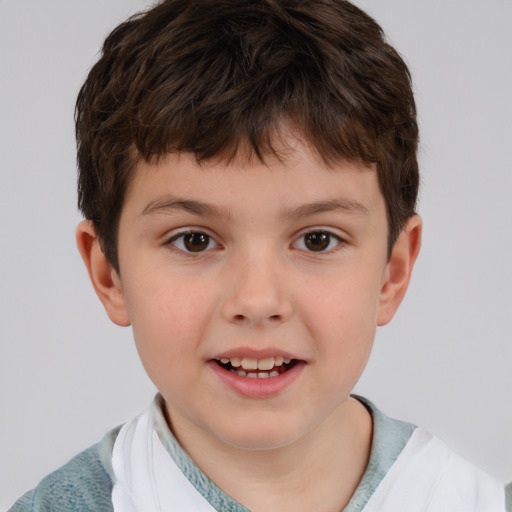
(178, 241)
(325, 235)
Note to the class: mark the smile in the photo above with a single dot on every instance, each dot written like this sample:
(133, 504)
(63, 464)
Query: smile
(261, 377)
(257, 368)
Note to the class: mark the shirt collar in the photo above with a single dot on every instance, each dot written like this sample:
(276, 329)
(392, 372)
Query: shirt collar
(389, 438)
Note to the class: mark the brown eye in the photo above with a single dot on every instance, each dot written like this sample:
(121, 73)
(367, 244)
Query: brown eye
(193, 242)
(196, 242)
(317, 241)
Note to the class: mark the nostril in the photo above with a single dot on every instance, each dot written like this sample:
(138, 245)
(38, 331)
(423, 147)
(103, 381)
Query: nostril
(239, 318)
(275, 317)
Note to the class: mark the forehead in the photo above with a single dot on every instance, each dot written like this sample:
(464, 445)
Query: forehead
(292, 176)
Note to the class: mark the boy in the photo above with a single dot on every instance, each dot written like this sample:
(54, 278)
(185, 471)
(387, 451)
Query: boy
(248, 174)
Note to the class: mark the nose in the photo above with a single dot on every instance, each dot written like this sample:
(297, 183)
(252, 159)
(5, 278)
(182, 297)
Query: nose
(257, 292)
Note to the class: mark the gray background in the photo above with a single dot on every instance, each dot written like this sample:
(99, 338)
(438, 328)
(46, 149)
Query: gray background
(67, 375)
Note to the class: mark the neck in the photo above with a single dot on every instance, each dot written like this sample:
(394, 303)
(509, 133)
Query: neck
(318, 472)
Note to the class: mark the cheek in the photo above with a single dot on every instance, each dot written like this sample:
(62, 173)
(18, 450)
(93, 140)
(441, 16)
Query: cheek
(168, 321)
(345, 302)
(341, 320)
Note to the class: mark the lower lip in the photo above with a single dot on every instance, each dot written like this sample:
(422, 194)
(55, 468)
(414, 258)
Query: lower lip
(257, 388)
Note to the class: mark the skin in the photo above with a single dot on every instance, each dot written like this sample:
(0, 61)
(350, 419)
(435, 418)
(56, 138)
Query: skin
(257, 286)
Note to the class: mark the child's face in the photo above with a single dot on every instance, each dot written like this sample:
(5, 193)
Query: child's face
(249, 261)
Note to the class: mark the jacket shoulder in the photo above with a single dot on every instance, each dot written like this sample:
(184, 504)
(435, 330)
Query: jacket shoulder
(83, 484)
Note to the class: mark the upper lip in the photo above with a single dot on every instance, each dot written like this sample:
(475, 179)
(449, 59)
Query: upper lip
(255, 353)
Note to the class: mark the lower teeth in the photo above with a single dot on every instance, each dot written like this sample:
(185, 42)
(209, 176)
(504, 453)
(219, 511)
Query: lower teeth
(259, 375)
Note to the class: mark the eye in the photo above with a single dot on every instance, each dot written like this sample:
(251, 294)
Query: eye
(318, 241)
(193, 241)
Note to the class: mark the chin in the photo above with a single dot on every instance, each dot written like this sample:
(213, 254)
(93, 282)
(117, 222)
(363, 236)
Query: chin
(259, 435)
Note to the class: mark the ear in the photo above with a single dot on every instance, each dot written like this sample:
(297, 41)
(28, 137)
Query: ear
(399, 269)
(104, 278)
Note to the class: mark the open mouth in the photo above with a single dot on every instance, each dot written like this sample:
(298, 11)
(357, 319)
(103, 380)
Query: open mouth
(257, 368)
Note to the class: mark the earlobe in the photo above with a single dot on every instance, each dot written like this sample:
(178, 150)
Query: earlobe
(103, 276)
(399, 270)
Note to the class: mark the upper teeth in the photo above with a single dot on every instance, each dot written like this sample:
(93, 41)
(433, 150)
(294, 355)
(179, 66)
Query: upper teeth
(248, 363)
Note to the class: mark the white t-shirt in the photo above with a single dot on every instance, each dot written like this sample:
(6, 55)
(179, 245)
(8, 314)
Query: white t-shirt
(409, 469)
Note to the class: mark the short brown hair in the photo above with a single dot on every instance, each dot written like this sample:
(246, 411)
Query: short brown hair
(205, 76)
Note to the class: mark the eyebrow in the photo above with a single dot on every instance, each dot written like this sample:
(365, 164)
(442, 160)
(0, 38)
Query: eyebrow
(169, 206)
(345, 205)
(174, 205)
